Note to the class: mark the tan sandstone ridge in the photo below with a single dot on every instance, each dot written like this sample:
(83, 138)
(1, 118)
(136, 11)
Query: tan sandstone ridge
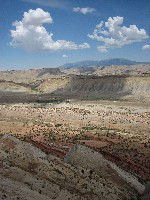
(28, 173)
(112, 82)
(95, 87)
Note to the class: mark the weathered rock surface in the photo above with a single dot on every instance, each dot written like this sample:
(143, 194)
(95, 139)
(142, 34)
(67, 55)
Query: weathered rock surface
(28, 173)
(85, 157)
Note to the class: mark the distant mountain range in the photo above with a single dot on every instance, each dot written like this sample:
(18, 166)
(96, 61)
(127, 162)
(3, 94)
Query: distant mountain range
(107, 62)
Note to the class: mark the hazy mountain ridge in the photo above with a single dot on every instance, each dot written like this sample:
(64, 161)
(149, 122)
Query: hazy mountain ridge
(107, 62)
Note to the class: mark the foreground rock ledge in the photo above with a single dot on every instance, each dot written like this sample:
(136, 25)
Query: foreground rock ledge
(28, 173)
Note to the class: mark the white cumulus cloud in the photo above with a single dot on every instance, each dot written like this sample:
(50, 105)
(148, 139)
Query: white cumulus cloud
(31, 35)
(84, 46)
(145, 47)
(102, 49)
(113, 35)
(64, 56)
(84, 10)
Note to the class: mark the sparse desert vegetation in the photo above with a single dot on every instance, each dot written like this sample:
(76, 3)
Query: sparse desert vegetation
(60, 116)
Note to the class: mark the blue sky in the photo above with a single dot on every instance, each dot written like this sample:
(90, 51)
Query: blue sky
(49, 33)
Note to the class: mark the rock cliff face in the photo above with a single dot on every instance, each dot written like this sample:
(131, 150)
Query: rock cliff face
(28, 173)
(106, 87)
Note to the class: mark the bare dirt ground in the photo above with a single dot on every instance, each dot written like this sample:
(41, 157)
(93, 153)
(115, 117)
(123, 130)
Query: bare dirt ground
(120, 131)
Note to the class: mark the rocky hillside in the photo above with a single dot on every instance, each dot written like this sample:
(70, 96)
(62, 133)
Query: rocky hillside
(29, 76)
(110, 70)
(28, 173)
(105, 87)
(111, 82)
